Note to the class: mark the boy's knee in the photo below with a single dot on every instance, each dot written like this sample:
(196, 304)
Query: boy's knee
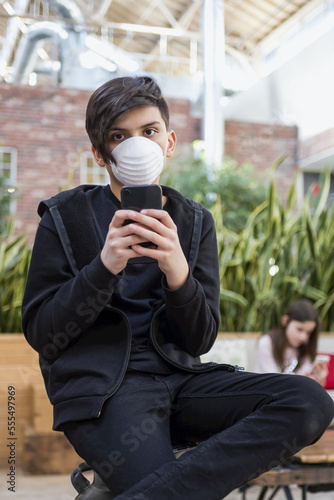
(316, 406)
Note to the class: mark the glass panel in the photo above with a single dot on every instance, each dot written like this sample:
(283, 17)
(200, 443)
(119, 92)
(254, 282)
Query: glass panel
(91, 173)
(8, 179)
(7, 157)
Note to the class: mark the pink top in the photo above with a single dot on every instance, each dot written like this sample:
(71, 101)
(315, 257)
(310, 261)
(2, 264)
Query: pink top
(265, 362)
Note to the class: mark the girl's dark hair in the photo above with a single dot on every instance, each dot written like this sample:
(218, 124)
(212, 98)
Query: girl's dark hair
(300, 310)
(115, 97)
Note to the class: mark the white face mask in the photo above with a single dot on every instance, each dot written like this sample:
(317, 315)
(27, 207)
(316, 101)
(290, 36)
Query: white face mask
(138, 161)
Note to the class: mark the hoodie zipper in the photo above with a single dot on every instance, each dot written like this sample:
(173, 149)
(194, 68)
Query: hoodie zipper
(226, 366)
(125, 365)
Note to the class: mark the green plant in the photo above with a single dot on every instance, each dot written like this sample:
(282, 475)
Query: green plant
(235, 188)
(282, 253)
(15, 256)
(14, 263)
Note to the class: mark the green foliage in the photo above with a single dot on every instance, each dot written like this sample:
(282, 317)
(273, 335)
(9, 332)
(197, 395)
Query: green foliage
(7, 196)
(284, 252)
(237, 189)
(15, 254)
(14, 263)
(268, 256)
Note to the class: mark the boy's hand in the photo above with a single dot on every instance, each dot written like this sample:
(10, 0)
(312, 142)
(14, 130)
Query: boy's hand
(158, 227)
(118, 246)
(123, 243)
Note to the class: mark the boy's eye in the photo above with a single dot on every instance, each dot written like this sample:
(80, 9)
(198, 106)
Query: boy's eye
(149, 132)
(117, 137)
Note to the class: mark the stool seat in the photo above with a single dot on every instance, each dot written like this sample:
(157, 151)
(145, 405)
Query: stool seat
(95, 490)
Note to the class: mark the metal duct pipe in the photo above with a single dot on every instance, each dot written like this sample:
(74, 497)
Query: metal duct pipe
(26, 54)
(68, 9)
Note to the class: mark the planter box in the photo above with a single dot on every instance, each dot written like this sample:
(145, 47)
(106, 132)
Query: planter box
(38, 449)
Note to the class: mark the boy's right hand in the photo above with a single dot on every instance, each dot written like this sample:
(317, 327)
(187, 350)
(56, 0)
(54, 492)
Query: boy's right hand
(117, 247)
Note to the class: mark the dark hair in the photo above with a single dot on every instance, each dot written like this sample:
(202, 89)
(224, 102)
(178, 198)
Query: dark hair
(115, 97)
(300, 310)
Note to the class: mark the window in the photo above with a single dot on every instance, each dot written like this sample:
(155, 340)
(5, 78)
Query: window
(311, 183)
(91, 172)
(313, 167)
(8, 169)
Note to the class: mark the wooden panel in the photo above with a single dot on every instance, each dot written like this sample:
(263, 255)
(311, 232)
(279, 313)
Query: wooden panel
(320, 452)
(302, 475)
(48, 454)
(42, 409)
(19, 368)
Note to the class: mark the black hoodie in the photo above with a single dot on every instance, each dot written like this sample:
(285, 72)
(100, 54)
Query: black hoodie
(68, 315)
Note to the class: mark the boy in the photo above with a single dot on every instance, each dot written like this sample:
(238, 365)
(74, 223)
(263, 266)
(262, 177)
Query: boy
(120, 327)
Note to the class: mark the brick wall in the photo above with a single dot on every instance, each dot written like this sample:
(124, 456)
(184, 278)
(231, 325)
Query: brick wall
(46, 126)
(262, 145)
(317, 144)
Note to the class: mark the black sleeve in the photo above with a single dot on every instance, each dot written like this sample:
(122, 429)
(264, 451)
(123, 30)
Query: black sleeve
(193, 310)
(59, 306)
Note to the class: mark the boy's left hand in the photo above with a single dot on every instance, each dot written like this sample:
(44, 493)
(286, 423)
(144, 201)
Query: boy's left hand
(158, 227)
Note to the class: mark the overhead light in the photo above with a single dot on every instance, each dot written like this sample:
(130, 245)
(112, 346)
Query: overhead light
(90, 60)
(32, 79)
(111, 53)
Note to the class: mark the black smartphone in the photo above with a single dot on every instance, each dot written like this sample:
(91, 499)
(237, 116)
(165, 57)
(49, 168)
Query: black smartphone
(139, 197)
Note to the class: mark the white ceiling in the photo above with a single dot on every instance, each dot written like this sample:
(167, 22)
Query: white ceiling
(165, 36)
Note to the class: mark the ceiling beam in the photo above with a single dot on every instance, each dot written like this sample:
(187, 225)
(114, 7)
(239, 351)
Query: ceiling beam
(183, 23)
(168, 15)
(136, 28)
(103, 9)
(155, 30)
(188, 15)
(281, 29)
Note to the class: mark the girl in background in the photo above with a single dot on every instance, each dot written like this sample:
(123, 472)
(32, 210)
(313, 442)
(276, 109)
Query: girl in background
(291, 347)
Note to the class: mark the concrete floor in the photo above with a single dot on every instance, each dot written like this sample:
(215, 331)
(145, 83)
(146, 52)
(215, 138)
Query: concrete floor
(53, 487)
(58, 487)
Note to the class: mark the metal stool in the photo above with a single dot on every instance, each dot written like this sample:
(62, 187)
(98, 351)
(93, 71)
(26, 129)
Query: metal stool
(95, 490)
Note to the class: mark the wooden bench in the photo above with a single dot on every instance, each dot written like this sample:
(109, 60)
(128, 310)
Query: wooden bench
(312, 469)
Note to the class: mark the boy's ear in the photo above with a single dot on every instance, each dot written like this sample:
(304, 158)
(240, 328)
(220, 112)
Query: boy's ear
(98, 158)
(171, 143)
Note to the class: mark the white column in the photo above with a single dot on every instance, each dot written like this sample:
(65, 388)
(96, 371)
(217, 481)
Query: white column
(213, 39)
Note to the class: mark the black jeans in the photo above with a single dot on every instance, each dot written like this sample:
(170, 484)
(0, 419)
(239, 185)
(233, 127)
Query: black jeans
(245, 424)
